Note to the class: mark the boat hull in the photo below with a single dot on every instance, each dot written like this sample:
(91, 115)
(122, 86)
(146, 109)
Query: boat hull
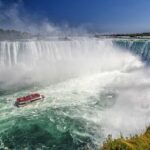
(22, 104)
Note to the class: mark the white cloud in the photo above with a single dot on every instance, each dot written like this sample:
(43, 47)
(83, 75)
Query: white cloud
(16, 17)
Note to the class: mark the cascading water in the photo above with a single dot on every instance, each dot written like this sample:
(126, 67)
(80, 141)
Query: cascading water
(139, 47)
(92, 88)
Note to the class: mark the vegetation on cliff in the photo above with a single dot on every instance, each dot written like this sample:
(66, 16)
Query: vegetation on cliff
(137, 142)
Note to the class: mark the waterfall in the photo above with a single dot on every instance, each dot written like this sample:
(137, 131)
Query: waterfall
(50, 61)
(139, 47)
(29, 52)
(32, 52)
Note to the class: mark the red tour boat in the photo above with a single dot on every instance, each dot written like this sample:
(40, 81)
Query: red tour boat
(22, 101)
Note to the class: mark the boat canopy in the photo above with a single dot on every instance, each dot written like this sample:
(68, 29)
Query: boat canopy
(28, 98)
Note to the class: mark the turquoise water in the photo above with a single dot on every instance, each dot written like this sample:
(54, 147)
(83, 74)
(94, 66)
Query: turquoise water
(139, 47)
(92, 89)
(60, 121)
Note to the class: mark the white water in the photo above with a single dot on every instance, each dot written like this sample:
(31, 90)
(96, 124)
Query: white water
(106, 87)
(52, 61)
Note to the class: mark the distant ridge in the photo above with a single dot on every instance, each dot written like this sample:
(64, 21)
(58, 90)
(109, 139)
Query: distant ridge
(125, 35)
(13, 35)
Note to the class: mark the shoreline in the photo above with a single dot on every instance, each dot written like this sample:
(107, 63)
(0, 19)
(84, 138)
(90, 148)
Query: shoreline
(125, 36)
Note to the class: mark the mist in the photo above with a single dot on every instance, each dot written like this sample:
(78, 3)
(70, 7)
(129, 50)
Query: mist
(16, 17)
(52, 61)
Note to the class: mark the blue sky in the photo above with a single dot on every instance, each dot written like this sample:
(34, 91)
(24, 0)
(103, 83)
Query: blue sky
(96, 15)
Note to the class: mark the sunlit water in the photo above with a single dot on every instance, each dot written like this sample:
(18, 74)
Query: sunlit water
(92, 89)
